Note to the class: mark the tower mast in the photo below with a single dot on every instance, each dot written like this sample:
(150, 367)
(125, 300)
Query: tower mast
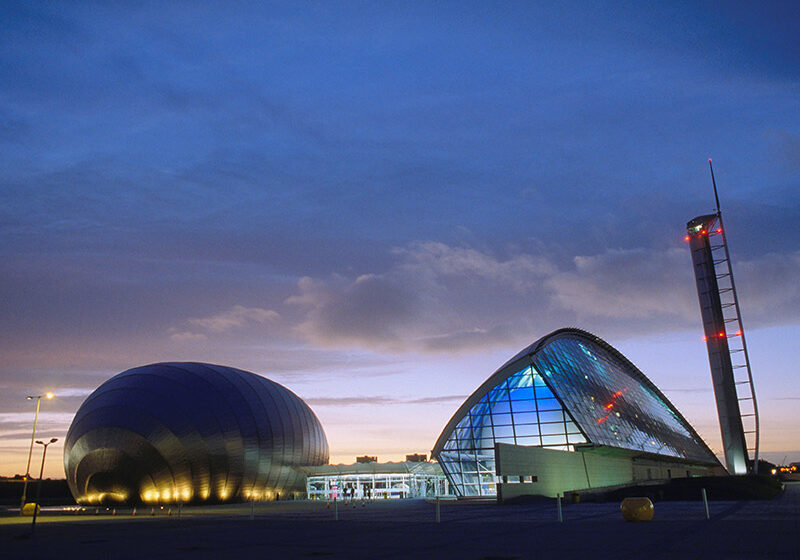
(734, 390)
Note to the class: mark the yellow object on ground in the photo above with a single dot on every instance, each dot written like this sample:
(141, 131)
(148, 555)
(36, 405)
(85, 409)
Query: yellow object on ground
(637, 509)
(28, 508)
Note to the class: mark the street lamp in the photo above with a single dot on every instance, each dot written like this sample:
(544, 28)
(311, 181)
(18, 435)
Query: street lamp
(38, 398)
(39, 486)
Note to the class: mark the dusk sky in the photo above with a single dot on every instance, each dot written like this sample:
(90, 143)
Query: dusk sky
(376, 204)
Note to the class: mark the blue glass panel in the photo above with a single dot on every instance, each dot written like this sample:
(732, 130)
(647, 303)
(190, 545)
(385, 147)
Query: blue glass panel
(548, 404)
(501, 420)
(551, 416)
(552, 429)
(527, 417)
(520, 379)
(503, 431)
(523, 430)
(523, 393)
(544, 393)
(554, 440)
(572, 428)
(501, 407)
(522, 407)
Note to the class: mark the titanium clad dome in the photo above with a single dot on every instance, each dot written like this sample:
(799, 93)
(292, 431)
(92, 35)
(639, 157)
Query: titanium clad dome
(190, 432)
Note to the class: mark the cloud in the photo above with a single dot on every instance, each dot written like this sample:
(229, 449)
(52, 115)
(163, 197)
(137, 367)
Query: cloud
(74, 392)
(348, 401)
(236, 317)
(440, 298)
(626, 284)
(187, 336)
(380, 400)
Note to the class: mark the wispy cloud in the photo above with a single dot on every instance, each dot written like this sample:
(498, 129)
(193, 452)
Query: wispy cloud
(236, 317)
(186, 336)
(380, 400)
(74, 392)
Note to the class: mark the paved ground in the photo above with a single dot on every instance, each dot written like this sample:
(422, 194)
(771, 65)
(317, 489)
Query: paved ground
(407, 529)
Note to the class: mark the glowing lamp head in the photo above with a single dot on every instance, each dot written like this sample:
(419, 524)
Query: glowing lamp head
(49, 396)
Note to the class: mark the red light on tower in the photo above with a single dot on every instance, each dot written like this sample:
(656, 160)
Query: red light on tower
(719, 230)
(722, 335)
(702, 232)
(687, 238)
(705, 338)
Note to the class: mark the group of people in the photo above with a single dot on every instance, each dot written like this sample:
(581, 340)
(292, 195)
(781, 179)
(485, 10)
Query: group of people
(349, 493)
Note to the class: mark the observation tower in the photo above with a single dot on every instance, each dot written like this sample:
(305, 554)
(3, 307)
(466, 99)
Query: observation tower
(724, 336)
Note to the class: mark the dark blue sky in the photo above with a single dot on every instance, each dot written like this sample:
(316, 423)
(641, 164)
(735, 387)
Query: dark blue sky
(361, 182)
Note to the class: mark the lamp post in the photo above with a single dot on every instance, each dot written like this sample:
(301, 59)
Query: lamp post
(38, 398)
(39, 486)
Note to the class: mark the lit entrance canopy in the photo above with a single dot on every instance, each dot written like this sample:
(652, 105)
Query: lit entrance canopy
(567, 389)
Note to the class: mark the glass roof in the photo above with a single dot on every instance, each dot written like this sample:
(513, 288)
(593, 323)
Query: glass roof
(612, 402)
(568, 388)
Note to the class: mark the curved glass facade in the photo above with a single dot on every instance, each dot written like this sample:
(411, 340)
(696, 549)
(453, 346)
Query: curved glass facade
(566, 389)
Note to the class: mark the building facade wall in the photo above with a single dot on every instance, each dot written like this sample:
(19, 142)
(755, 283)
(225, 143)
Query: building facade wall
(547, 472)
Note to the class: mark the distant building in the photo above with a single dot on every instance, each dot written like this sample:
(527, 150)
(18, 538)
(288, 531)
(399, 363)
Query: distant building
(416, 458)
(366, 459)
(569, 412)
(376, 481)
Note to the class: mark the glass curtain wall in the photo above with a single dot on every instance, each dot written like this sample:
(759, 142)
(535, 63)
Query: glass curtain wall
(521, 410)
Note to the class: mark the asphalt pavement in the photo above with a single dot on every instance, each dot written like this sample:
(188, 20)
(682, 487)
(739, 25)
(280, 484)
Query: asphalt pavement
(389, 529)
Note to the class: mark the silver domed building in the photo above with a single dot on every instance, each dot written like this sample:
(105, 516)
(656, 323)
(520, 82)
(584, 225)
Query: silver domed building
(190, 432)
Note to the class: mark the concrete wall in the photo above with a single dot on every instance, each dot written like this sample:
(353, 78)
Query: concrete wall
(547, 472)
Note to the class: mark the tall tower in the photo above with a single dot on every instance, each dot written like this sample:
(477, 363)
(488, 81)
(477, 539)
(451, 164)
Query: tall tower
(725, 340)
